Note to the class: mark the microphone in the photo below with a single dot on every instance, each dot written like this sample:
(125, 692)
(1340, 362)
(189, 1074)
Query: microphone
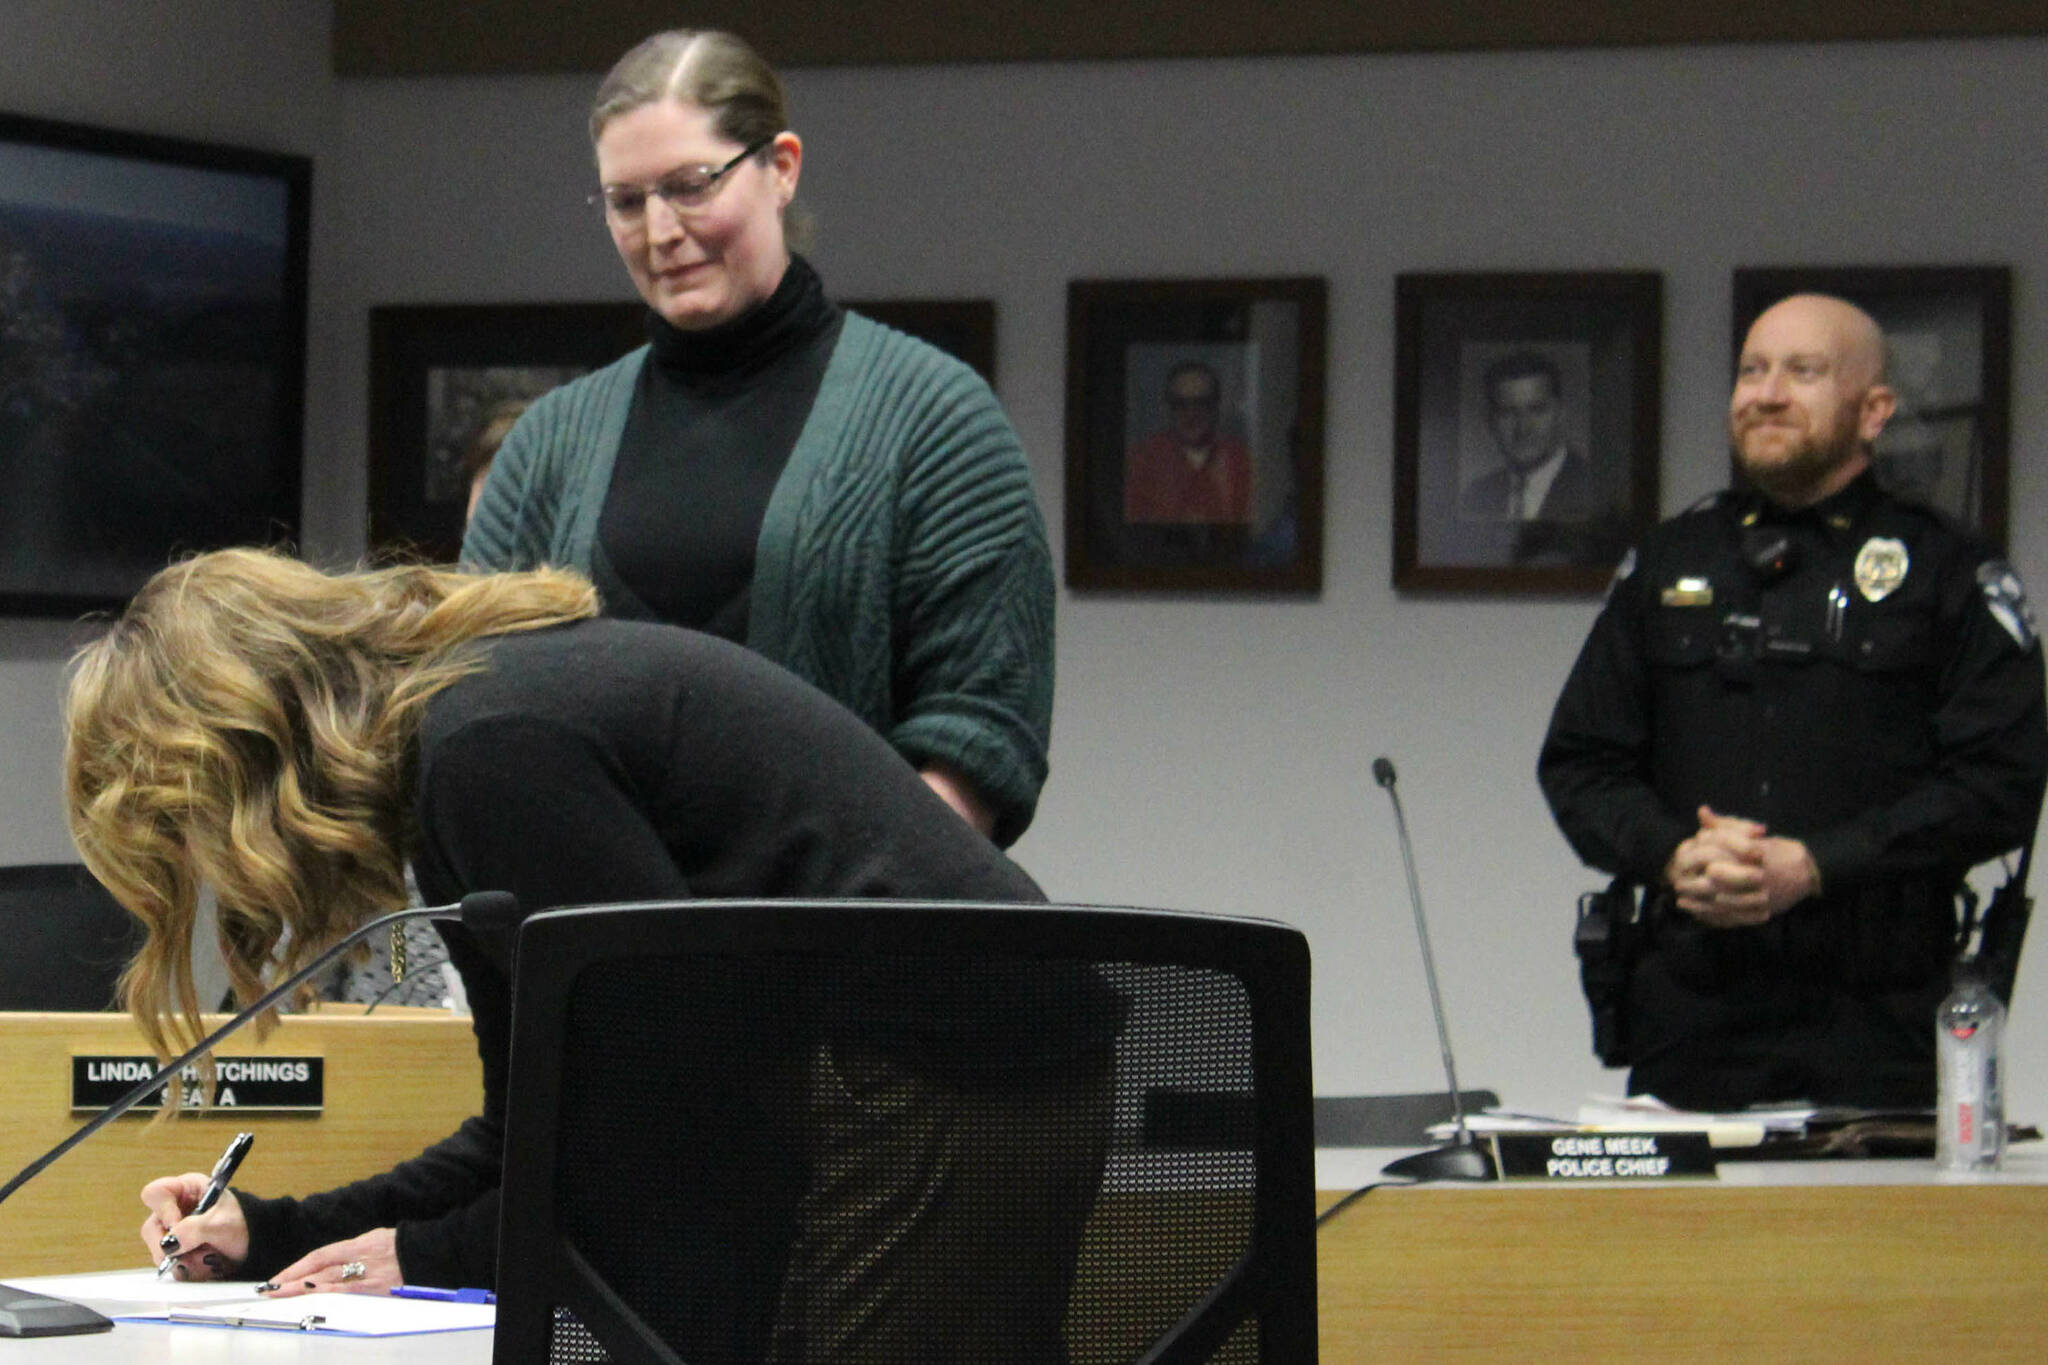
(484, 911)
(1461, 1159)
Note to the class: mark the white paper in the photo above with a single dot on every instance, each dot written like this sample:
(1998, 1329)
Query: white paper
(1649, 1111)
(1635, 1114)
(128, 1288)
(139, 1296)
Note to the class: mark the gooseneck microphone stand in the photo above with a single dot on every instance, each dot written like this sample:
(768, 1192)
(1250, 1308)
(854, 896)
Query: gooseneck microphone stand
(1462, 1158)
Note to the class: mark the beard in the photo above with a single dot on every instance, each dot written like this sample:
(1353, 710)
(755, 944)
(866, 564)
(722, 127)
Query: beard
(1789, 462)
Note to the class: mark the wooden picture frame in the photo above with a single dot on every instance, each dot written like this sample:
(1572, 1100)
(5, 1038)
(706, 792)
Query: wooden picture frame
(962, 328)
(1195, 434)
(438, 372)
(1526, 428)
(1948, 336)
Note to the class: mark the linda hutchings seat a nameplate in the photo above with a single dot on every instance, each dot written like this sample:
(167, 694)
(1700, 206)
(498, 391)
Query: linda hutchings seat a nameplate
(262, 1084)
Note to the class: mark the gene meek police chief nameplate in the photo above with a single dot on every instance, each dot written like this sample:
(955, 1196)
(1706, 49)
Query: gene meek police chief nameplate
(1579, 1155)
(267, 1084)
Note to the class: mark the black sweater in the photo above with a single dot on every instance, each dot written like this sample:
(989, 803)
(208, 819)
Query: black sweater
(617, 761)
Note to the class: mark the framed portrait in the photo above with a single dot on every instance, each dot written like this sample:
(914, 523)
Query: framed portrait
(962, 328)
(1195, 434)
(1526, 411)
(444, 375)
(1948, 337)
(152, 357)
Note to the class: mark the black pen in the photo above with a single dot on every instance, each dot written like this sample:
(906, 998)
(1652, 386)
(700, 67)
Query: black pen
(216, 1185)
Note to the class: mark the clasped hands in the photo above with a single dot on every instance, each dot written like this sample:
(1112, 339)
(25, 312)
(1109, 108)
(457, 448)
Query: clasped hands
(1734, 872)
(213, 1245)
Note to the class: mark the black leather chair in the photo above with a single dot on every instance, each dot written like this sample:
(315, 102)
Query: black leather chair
(63, 939)
(654, 1159)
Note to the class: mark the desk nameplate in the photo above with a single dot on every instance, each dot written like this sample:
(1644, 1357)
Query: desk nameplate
(262, 1084)
(1583, 1156)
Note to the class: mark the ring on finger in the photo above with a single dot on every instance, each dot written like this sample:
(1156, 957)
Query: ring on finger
(352, 1270)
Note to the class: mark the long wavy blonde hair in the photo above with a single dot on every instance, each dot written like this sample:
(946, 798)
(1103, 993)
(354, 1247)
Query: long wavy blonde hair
(247, 725)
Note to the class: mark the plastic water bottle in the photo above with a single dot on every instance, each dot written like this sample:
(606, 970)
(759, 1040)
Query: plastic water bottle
(1969, 1120)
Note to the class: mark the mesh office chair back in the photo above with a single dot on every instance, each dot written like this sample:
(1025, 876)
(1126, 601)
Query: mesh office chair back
(893, 1132)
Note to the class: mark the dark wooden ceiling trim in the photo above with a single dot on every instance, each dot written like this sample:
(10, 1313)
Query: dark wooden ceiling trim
(501, 37)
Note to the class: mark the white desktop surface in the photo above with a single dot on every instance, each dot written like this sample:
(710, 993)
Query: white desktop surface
(142, 1343)
(155, 1343)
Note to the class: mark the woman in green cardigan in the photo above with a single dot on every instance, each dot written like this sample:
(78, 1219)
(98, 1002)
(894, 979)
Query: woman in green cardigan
(841, 498)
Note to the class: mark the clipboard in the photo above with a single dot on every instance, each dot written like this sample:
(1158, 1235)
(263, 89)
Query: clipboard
(349, 1315)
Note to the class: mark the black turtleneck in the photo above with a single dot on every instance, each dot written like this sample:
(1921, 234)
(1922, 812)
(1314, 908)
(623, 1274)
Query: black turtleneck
(714, 419)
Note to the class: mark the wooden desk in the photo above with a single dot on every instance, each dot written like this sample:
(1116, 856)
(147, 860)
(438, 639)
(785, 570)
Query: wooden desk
(396, 1081)
(1687, 1272)
(1743, 1272)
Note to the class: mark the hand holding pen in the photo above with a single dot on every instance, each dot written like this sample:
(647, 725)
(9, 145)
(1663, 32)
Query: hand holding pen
(179, 1228)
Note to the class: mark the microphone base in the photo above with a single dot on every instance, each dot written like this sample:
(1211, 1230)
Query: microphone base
(24, 1313)
(1452, 1161)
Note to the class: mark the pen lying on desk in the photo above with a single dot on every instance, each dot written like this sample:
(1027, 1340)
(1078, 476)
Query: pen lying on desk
(420, 1291)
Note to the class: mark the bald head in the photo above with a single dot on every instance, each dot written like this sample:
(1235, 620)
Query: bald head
(1845, 330)
(1809, 397)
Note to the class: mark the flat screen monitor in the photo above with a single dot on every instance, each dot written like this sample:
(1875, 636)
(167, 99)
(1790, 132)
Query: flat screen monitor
(152, 357)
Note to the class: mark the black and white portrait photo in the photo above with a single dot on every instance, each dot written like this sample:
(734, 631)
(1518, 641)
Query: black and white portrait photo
(1525, 428)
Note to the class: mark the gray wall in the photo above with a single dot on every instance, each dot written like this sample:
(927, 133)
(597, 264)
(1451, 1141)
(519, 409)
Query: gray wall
(1208, 754)
(249, 72)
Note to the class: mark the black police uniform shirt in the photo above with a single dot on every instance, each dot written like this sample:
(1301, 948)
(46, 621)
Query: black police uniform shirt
(1873, 689)
(1860, 675)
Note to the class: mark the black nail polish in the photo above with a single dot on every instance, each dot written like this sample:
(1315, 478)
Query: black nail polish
(266, 1288)
(309, 1284)
(169, 1242)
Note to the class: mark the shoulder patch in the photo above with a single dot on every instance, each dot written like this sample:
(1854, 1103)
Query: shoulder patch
(2006, 596)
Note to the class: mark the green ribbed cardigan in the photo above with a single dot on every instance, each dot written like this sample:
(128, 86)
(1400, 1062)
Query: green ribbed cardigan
(902, 565)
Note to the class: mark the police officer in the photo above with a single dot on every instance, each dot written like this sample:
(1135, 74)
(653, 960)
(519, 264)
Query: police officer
(1806, 710)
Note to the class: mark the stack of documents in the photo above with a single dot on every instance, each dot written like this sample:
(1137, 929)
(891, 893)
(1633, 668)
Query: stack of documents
(1641, 1114)
(1763, 1133)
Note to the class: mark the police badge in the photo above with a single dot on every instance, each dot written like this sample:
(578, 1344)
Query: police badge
(1880, 567)
(2007, 598)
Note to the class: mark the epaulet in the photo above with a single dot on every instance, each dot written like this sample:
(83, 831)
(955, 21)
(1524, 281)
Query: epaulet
(1914, 506)
(1728, 502)
(1915, 519)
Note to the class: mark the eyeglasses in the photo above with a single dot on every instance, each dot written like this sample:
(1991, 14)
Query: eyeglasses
(682, 190)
